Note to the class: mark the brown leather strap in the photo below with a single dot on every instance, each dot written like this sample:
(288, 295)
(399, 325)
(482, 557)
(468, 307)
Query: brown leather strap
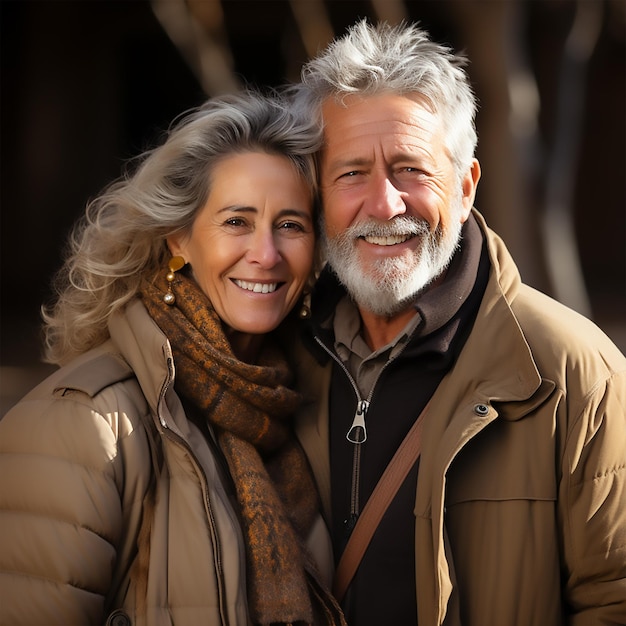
(395, 473)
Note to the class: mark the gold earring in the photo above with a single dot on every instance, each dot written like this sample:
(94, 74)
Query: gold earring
(175, 263)
(305, 308)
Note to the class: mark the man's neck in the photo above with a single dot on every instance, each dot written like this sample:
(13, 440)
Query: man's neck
(379, 331)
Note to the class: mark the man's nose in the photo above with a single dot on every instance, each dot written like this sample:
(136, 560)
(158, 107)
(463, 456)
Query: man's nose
(385, 200)
(262, 248)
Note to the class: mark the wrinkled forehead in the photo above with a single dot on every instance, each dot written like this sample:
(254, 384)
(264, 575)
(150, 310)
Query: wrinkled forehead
(381, 106)
(377, 118)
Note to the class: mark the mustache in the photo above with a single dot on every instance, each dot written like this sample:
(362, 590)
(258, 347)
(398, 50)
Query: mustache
(401, 225)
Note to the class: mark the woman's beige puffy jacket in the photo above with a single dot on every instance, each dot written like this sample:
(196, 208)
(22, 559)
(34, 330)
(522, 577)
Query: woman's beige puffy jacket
(85, 534)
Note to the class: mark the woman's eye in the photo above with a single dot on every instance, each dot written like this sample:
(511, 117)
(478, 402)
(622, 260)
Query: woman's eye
(235, 221)
(291, 226)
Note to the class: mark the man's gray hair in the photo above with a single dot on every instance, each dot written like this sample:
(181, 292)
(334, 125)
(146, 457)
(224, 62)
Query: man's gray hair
(401, 59)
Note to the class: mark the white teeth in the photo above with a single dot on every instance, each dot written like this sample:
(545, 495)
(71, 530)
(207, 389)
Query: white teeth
(256, 287)
(389, 240)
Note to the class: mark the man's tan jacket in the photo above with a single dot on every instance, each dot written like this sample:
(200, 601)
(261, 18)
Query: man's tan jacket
(520, 509)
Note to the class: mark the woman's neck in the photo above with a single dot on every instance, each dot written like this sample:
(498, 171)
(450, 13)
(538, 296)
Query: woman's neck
(245, 346)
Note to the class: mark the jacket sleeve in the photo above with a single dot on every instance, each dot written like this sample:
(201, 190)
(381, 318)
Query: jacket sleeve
(593, 508)
(71, 489)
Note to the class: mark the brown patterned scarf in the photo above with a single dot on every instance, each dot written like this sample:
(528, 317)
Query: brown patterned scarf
(249, 407)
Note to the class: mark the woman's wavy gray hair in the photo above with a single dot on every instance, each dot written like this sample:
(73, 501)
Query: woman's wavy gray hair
(121, 239)
(373, 59)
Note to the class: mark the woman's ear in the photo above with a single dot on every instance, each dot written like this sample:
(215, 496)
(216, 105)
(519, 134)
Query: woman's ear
(175, 244)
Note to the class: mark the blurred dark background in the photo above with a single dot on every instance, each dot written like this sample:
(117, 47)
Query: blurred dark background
(87, 84)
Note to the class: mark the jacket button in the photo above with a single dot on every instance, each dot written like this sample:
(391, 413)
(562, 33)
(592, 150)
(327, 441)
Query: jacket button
(119, 618)
(481, 410)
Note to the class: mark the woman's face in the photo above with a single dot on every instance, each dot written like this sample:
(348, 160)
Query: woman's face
(251, 246)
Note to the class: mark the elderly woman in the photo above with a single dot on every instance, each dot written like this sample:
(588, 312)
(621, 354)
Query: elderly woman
(154, 478)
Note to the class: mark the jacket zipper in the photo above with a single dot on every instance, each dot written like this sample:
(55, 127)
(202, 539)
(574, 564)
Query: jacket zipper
(357, 434)
(217, 558)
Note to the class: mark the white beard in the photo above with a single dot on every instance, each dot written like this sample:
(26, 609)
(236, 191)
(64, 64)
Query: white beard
(387, 286)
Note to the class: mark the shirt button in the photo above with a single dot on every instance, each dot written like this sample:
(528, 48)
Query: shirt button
(118, 618)
(481, 409)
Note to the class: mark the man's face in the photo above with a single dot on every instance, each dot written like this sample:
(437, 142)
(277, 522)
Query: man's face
(393, 203)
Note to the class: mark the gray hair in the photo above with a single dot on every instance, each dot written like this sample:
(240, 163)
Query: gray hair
(121, 239)
(401, 59)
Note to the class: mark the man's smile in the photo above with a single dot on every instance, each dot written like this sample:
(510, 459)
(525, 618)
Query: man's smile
(386, 240)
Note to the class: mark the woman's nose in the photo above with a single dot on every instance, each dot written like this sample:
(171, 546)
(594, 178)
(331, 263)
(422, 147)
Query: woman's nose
(262, 249)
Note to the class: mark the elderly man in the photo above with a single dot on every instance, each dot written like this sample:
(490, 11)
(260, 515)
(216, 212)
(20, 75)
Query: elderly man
(515, 512)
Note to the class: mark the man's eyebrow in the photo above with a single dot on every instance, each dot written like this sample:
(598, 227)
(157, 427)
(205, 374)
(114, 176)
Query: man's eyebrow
(399, 156)
(347, 163)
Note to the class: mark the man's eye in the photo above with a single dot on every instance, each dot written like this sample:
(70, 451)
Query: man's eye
(349, 176)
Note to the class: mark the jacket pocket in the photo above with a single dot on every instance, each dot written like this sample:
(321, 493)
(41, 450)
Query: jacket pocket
(506, 461)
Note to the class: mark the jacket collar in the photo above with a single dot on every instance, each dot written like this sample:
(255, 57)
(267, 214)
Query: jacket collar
(496, 352)
(148, 352)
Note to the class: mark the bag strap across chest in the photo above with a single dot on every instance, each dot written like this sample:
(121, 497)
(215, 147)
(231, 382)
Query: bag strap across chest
(403, 460)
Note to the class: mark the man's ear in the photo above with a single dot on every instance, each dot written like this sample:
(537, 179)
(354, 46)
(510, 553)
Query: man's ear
(468, 189)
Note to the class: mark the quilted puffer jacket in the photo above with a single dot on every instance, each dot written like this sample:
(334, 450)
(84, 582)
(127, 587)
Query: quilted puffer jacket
(113, 507)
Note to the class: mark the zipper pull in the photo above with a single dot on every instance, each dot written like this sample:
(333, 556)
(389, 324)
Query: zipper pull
(348, 526)
(358, 432)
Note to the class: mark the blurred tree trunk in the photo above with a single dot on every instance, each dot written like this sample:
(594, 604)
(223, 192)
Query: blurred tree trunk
(564, 263)
(507, 123)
